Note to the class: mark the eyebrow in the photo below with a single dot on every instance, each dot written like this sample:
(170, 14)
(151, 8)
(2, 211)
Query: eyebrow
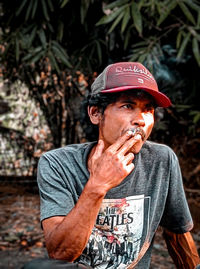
(128, 101)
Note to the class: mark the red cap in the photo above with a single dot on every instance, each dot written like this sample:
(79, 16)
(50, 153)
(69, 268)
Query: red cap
(124, 76)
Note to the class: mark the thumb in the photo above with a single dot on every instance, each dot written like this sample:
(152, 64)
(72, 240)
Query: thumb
(99, 149)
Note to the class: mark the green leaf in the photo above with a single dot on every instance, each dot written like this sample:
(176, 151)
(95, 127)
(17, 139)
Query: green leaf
(32, 53)
(118, 19)
(108, 18)
(134, 58)
(196, 115)
(198, 19)
(141, 4)
(32, 35)
(140, 50)
(35, 4)
(167, 10)
(162, 5)
(27, 57)
(50, 27)
(63, 3)
(192, 5)
(24, 41)
(83, 10)
(21, 7)
(137, 18)
(37, 57)
(115, 4)
(99, 52)
(197, 36)
(44, 9)
(58, 53)
(53, 62)
(30, 7)
(183, 45)
(178, 39)
(60, 31)
(59, 47)
(50, 5)
(195, 49)
(182, 107)
(42, 37)
(140, 44)
(91, 52)
(127, 38)
(17, 49)
(62, 51)
(28, 28)
(126, 19)
(196, 118)
(187, 13)
(142, 58)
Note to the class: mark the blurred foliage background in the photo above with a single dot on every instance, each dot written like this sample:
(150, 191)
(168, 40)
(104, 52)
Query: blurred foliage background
(55, 48)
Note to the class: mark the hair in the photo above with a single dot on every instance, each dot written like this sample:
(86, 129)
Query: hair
(102, 100)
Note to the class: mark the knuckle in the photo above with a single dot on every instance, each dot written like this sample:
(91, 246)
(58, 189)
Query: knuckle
(123, 167)
(109, 152)
(117, 157)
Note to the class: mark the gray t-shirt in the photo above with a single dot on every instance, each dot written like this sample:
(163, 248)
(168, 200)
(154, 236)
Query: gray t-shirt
(150, 196)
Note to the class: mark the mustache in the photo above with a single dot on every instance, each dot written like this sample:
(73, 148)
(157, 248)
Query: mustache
(140, 131)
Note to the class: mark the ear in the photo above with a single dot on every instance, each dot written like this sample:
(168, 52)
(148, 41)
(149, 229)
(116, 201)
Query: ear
(94, 114)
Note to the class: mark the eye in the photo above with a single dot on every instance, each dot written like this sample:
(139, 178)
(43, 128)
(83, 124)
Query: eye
(127, 106)
(149, 109)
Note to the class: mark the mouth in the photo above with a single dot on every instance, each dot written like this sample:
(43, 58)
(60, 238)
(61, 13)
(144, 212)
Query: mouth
(140, 131)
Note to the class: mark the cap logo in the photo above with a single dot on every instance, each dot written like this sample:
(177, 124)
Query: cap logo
(140, 80)
(121, 69)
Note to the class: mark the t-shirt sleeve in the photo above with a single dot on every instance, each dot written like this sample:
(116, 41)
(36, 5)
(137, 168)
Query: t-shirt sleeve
(176, 217)
(55, 198)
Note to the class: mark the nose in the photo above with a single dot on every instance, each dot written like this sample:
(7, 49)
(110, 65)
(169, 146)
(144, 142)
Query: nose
(138, 118)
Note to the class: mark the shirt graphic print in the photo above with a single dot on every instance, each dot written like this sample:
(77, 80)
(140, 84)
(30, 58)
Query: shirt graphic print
(119, 234)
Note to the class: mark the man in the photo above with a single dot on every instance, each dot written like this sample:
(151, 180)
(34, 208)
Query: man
(121, 186)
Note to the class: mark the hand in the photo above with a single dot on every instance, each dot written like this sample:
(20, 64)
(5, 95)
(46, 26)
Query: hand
(108, 168)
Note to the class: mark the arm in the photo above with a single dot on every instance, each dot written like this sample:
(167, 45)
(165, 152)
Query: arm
(182, 249)
(66, 237)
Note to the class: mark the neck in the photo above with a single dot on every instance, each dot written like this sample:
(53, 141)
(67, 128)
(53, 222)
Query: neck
(90, 157)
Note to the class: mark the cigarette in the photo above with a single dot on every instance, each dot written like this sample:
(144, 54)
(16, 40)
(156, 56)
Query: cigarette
(138, 130)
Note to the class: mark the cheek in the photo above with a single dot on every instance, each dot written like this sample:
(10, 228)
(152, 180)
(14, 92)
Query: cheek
(110, 129)
(107, 127)
(149, 119)
(149, 122)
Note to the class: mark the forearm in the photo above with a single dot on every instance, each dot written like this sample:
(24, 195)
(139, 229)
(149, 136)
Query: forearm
(69, 238)
(182, 249)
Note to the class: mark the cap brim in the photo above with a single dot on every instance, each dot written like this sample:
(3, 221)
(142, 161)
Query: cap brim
(161, 99)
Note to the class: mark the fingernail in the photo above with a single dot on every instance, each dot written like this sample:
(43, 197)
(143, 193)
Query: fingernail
(129, 132)
(138, 136)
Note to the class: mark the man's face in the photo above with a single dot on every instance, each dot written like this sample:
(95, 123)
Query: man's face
(126, 113)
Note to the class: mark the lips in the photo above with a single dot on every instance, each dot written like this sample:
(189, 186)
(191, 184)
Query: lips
(140, 131)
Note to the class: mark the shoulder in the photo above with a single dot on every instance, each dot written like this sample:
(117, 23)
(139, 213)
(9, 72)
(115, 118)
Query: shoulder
(157, 150)
(74, 151)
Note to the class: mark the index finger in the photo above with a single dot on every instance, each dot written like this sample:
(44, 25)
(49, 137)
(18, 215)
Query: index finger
(121, 140)
(129, 144)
